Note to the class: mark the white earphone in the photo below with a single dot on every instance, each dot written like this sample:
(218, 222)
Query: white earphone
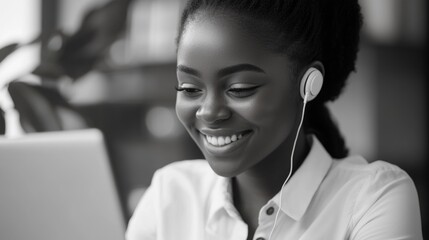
(311, 84)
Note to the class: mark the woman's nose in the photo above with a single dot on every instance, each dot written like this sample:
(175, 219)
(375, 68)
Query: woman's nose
(213, 110)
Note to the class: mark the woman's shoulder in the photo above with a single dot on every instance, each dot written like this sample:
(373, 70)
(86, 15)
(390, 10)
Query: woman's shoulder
(356, 177)
(359, 167)
(381, 195)
(372, 183)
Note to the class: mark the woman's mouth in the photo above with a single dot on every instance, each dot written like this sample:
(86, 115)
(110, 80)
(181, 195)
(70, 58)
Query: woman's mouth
(220, 141)
(224, 142)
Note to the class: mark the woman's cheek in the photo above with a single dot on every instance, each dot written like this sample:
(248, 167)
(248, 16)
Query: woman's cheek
(185, 111)
(262, 109)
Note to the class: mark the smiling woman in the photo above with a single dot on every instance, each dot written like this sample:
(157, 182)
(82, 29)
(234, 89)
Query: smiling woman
(246, 70)
(233, 86)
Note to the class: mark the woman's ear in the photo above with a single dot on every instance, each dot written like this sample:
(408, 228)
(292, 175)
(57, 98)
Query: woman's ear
(316, 64)
(312, 81)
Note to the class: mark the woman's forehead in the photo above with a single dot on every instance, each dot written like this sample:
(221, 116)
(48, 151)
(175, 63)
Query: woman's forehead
(211, 46)
(211, 42)
(217, 29)
(219, 37)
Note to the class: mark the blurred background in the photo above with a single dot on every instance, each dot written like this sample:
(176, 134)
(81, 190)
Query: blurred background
(73, 64)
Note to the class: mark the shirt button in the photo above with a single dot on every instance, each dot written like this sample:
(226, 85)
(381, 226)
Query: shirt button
(270, 210)
(260, 238)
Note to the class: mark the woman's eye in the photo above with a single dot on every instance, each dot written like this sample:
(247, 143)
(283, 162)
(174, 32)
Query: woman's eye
(189, 91)
(242, 92)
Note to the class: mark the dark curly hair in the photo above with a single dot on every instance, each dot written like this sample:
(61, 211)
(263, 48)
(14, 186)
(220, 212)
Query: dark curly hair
(306, 31)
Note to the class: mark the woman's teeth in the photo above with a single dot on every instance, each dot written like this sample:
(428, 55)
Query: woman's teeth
(222, 141)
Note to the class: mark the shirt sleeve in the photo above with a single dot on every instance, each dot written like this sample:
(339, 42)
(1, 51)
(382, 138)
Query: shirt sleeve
(387, 208)
(142, 225)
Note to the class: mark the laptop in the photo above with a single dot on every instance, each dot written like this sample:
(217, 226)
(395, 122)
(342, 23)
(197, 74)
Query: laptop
(58, 186)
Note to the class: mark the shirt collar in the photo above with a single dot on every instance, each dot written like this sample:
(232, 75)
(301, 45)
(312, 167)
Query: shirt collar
(220, 195)
(220, 200)
(297, 193)
(303, 184)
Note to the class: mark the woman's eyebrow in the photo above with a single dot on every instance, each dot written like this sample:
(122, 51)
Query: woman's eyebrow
(188, 70)
(224, 71)
(239, 68)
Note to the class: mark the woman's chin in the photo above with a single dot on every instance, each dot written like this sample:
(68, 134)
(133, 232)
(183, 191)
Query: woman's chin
(224, 167)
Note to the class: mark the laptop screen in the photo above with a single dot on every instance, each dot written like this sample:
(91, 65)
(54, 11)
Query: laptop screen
(58, 185)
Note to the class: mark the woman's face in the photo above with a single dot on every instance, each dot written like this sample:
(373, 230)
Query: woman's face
(237, 100)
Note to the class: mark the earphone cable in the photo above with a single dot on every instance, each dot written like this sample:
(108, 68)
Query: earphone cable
(291, 163)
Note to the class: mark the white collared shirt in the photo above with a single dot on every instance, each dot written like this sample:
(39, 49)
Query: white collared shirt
(325, 199)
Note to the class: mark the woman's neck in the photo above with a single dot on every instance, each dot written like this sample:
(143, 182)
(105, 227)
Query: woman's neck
(267, 177)
(255, 187)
